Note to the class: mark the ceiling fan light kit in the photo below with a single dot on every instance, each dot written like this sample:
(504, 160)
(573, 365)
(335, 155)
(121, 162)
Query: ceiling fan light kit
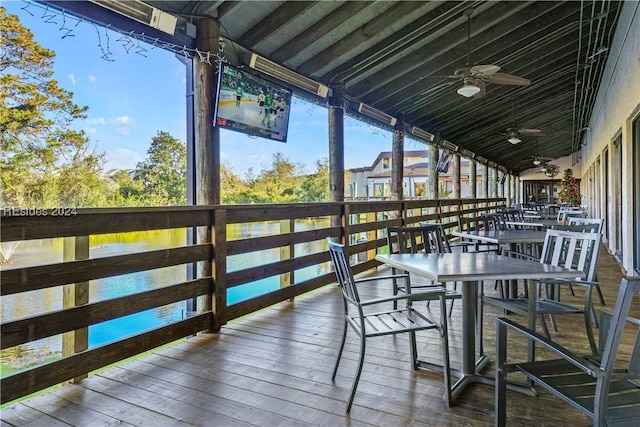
(536, 162)
(469, 89)
(514, 140)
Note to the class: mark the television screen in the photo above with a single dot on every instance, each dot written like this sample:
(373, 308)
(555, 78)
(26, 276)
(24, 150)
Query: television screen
(252, 105)
(444, 161)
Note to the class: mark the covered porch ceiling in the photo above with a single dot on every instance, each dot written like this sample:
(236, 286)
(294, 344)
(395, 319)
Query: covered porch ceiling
(398, 56)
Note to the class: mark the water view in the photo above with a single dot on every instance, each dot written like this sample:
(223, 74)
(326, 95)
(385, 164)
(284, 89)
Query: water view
(50, 251)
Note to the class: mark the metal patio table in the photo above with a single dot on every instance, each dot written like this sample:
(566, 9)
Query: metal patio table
(471, 268)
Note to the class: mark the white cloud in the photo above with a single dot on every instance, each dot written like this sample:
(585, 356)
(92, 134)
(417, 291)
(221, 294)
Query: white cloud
(97, 121)
(92, 78)
(122, 158)
(72, 78)
(90, 131)
(122, 131)
(122, 120)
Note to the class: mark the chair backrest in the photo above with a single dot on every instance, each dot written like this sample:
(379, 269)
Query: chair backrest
(344, 275)
(436, 236)
(580, 228)
(571, 249)
(493, 221)
(427, 238)
(470, 223)
(581, 221)
(620, 320)
(513, 214)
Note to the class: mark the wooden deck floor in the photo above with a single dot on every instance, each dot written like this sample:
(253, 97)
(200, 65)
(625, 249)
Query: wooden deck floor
(274, 368)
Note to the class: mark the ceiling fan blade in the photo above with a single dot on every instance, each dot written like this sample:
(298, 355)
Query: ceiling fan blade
(508, 79)
(481, 85)
(537, 132)
(460, 72)
(484, 69)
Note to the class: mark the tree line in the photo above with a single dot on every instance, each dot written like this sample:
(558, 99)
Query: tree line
(45, 163)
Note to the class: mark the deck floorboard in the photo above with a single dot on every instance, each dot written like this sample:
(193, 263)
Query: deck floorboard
(273, 368)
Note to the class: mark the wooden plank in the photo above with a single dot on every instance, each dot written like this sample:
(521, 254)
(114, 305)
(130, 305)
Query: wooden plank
(123, 412)
(374, 225)
(369, 207)
(36, 327)
(64, 409)
(260, 213)
(77, 294)
(23, 415)
(99, 221)
(235, 247)
(248, 275)
(43, 376)
(254, 304)
(44, 276)
(194, 393)
(158, 403)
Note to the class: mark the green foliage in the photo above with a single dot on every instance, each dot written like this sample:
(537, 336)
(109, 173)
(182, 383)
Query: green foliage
(569, 190)
(163, 174)
(43, 163)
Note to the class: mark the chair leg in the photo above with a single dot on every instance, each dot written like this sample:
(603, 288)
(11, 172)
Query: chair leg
(344, 338)
(587, 322)
(358, 372)
(395, 288)
(445, 353)
(544, 326)
(600, 294)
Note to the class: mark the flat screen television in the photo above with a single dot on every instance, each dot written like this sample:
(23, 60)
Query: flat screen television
(252, 105)
(444, 161)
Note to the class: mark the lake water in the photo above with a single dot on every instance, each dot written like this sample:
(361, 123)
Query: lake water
(50, 251)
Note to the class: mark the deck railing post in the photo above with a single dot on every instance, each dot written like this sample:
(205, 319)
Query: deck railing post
(219, 269)
(287, 252)
(73, 295)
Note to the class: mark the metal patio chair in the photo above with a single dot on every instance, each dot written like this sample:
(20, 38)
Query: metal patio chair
(425, 238)
(373, 318)
(579, 251)
(595, 385)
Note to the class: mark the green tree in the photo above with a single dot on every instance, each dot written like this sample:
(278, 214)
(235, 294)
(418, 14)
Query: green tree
(41, 157)
(277, 184)
(234, 189)
(163, 174)
(315, 187)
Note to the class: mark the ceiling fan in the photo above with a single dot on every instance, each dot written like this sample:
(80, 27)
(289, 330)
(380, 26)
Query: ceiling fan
(475, 77)
(515, 133)
(540, 160)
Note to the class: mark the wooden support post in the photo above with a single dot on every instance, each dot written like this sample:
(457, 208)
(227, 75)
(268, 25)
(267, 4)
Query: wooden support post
(494, 182)
(336, 150)
(219, 271)
(456, 176)
(473, 181)
(432, 191)
(397, 160)
(287, 252)
(485, 181)
(207, 161)
(74, 295)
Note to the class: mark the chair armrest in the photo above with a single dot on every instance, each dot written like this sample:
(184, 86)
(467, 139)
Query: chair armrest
(392, 276)
(587, 366)
(562, 281)
(507, 252)
(429, 294)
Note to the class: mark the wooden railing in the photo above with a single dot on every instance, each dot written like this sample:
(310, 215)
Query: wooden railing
(359, 224)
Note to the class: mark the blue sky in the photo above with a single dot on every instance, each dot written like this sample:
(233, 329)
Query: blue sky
(133, 97)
